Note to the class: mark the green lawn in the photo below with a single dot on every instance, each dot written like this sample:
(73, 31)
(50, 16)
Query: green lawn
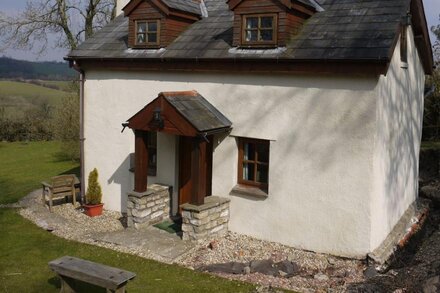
(427, 145)
(25, 165)
(26, 249)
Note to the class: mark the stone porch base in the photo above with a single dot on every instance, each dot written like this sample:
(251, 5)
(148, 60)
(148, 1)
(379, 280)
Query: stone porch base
(149, 207)
(209, 220)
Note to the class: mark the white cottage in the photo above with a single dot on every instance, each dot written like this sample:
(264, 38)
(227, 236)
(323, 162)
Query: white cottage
(294, 121)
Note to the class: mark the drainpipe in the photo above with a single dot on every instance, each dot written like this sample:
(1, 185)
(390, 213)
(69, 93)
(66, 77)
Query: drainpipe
(75, 66)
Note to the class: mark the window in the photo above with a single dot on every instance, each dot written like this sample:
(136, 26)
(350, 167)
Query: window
(253, 162)
(147, 32)
(404, 45)
(259, 29)
(152, 153)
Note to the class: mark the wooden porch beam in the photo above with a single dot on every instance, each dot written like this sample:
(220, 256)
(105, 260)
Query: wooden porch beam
(141, 161)
(199, 166)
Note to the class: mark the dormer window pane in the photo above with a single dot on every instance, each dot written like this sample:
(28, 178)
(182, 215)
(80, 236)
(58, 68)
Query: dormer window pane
(267, 22)
(141, 27)
(141, 38)
(152, 38)
(252, 23)
(152, 26)
(266, 35)
(251, 36)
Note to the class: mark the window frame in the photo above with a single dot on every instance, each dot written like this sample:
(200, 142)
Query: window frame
(271, 43)
(146, 44)
(241, 161)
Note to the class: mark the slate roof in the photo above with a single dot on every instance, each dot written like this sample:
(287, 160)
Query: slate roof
(197, 110)
(184, 5)
(346, 30)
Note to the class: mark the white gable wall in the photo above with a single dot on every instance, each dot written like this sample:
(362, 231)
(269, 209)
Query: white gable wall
(321, 131)
(398, 135)
(119, 5)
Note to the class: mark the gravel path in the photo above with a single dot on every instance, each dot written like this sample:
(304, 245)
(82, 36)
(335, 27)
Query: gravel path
(318, 272)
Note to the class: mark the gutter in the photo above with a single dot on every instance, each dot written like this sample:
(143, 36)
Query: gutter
(73, 64)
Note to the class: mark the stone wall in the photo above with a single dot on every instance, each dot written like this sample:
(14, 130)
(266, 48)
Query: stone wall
(150, 207)
(209, 220)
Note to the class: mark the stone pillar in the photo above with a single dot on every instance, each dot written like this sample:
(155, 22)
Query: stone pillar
(206, 221)
(149, 207)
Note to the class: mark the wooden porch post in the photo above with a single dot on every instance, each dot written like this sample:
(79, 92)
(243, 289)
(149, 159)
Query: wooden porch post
(141, 161)
(199, 167)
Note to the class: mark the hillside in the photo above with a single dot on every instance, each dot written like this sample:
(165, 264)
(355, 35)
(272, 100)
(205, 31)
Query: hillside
(11, 68)
(17, 97)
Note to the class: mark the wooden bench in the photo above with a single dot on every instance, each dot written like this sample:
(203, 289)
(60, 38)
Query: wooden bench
(62, 186)
(71, 268)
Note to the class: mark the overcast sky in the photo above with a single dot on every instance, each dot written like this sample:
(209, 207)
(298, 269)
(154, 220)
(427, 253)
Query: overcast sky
(432, 10)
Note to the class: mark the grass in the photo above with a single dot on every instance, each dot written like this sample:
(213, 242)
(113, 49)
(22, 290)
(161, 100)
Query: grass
(26, 249)
(430, 145)
(25, 165)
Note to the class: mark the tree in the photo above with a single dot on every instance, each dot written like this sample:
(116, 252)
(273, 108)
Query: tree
(436, 31)
(70, 21)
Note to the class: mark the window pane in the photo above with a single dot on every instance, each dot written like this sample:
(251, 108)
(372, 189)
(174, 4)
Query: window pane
(252, 22)
(152, 26)
(140, 38)
(141, 26)
(266, 35)
(248, 171)
(251, 36)
(263, 152)
(267, 22)
(249, 151)
(152, 38)
(262, 173)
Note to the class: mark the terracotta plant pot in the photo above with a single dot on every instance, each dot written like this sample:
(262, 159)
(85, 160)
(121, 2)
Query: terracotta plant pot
(93, 210)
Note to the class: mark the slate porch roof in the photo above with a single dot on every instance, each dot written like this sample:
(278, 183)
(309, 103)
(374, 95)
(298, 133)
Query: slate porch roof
(200, 113)
(197, 110)
(354, 30)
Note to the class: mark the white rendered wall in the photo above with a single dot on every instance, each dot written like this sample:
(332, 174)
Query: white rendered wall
(321, 131)
(119, 5)
(399, 130)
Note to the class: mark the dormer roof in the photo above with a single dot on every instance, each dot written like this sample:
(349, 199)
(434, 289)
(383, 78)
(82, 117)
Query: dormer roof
(167, 6)
(287, 3)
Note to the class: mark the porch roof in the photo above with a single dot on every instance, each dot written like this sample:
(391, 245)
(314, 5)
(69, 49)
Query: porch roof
(202, 116)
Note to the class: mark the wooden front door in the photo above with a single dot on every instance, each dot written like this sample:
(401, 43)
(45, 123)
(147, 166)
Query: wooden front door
(185, 176)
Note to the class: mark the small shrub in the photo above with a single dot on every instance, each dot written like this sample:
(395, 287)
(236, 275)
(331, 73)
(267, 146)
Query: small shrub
(94, 192)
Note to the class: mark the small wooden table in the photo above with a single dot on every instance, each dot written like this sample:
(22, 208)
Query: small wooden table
(71, 268)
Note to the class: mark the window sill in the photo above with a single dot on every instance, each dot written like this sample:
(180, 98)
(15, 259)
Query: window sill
(251, 191)
(150, 173)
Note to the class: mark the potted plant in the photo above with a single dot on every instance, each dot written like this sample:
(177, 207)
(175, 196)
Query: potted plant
(93, 206)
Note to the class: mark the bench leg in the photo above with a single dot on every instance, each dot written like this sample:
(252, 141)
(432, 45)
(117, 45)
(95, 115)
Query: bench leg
(50, 201)
(66, 284)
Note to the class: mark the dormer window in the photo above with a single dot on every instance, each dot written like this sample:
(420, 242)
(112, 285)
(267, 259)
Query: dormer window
(259, 29)
(147, 32)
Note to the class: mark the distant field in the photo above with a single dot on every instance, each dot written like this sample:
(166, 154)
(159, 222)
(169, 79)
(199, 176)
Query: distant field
(17, 97)
(62, 85)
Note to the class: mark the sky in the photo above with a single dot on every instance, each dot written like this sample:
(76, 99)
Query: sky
(432, 11)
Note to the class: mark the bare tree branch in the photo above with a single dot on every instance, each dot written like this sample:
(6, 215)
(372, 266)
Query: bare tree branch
(70, 21)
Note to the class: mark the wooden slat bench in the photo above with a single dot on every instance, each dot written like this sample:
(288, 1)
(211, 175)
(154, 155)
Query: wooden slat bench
(71, 268)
